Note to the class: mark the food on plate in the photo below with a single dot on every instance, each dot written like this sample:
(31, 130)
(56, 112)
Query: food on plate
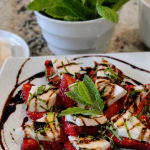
(86, 109)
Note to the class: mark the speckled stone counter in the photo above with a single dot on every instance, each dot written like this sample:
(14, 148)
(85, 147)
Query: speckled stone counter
(15, 17)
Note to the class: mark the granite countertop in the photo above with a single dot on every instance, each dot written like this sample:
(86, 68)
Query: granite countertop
(16, 18)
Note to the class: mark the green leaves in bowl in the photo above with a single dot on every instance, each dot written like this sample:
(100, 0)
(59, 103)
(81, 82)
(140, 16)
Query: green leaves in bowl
(78, 10)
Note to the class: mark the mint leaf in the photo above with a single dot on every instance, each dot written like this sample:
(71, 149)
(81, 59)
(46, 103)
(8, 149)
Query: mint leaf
(119, 4)
(59, 12)
(41, 5)
(96, 98)
(79, 10)
(107, 13)
(84, 93)
(77, 111)
(76, 97)
(70, 18)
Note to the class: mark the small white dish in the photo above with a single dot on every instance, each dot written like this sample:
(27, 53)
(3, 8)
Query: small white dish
(144, 21)
(19, 46)
(81, 37)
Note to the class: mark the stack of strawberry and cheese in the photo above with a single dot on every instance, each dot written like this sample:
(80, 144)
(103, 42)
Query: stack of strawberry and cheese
(82, 110)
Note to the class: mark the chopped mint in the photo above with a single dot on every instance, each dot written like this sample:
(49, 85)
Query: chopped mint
(64, 67)
(55, 61)
(125, 124)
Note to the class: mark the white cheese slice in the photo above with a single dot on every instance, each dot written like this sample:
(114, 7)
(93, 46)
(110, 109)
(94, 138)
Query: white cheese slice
(113, 92)
(83, 121)
(72, 68)
(53, 134)
(102, 79)
(137, 130)
(50, 97)
(87, 143)
(130, 103)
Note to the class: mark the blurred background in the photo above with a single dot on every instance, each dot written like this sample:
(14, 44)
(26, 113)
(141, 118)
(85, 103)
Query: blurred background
(17, 19)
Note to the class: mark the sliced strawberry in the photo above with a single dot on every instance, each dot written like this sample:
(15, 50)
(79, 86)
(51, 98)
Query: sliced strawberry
(51, 71)
(94, 77)
(25, 91)
(65, 82)
(74, 130)
(131, 144)
(31, 144)
(35, 115)
(114, 108)
(68, 146)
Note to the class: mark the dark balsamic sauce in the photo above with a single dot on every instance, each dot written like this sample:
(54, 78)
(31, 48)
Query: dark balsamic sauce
(13, 138)
(133, 66)
(12, 101)
(24, 122)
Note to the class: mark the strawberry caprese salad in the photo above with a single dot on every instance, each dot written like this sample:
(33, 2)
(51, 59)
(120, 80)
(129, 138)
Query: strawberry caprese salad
(95, 109)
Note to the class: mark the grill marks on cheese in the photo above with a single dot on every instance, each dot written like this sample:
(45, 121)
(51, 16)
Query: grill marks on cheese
(71, 66)
(50, 95)
(131, 103)
(87, 143)
(83, 121)
(52, 134)
(137, 130)
(102, 80)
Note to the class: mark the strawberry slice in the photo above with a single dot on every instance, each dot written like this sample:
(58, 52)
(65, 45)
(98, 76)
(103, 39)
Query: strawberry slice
(131, 144)
(35, 115)
(94, 77)
(51, 71)
(74, 130)
(65, 82)
(114, 108)
(25, 93)
(31, 144)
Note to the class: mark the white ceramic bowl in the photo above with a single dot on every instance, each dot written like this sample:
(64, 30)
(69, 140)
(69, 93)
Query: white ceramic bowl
(76, 37)
(144, 21)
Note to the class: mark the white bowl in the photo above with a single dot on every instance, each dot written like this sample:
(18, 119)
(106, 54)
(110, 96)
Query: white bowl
(65, 37)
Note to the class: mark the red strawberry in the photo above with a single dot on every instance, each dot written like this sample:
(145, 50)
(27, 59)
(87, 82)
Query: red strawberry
(65, 82)
(94, 77)
(74, 130)
(131, 144)
(35, 115)
(25, 91)
(30, 144)
(68, 146)
(63, 135)
(50, 70)
(114, 108)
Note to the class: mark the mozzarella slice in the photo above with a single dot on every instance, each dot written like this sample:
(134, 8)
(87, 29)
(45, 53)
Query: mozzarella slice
(131, 103)
(52, 134)
(112, 93)
(137, 130)
(49, 97)
(83, 121)
(102, 79)
(71, 67)
(87, 143)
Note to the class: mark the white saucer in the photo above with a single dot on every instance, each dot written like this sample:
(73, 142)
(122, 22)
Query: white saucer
(19, 46)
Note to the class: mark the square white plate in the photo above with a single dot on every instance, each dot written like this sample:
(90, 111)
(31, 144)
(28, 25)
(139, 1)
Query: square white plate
(36, 65)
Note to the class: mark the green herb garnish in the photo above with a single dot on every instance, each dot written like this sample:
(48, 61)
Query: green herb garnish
(31, 96)
(78, 110)
(64, 67)
(54, 61)
(125, 124)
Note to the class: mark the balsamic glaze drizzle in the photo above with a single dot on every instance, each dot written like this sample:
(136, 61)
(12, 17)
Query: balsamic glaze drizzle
(11, 102)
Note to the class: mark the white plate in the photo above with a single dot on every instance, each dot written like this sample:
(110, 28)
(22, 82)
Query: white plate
(35, 65)
(19, 46)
